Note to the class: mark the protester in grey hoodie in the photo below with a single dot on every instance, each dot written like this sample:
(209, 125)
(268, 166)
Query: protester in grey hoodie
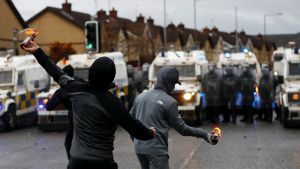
(158, 109)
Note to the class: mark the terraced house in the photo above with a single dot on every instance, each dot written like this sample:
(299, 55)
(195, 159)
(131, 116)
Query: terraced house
(139, 40)
(10, 23)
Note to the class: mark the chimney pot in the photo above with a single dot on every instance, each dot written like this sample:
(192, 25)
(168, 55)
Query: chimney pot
(66, 7)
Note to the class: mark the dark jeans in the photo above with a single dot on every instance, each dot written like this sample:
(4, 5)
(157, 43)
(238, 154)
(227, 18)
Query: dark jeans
(148, 161)
(68, 140)
(69, 134)
(75, 163)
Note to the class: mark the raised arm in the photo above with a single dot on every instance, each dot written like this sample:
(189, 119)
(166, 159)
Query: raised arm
(52, 69)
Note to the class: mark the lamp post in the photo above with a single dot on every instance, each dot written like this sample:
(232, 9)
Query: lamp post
(165, 26)
(195, 14)
(265, 17)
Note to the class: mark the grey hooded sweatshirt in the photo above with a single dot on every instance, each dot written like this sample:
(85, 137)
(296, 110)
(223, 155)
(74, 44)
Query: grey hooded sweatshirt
(156, 108)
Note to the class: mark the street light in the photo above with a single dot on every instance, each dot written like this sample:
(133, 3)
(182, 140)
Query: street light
(195, 14)
(265, 16)
(165, 25)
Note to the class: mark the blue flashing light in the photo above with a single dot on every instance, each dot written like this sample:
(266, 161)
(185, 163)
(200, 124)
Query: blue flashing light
(0, 106)
(201, 56)
(245, 50)
(41, 106)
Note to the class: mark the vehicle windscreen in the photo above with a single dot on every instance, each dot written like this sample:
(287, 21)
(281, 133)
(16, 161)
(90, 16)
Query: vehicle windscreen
(294, 69)
(5, 77)
(81, 73)
(184, 70)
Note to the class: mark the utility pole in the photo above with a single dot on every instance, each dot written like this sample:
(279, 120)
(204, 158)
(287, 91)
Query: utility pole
(94, 16)
(165, 26)
(236, 31)
(15, 41)
(195, 15)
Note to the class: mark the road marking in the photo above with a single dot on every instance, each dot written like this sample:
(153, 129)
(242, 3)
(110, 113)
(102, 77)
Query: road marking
(191, 155)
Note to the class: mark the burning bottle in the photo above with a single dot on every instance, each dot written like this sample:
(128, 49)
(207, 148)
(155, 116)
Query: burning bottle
(30, 33)
(216, 134)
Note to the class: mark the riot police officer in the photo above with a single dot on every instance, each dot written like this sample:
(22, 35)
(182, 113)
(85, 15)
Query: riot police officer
(228, 92)
(247, 88)
(266, 92)
(211, 87)
(132, 92)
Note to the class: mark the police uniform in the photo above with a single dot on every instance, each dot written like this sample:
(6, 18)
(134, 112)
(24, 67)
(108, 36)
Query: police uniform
(266, 92)
(211, 87)
(247, 88)
(228, 92)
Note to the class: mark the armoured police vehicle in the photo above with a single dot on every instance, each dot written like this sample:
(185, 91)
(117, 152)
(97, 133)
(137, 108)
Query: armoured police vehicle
(21, 79)
(287, 73)
(190, 66)
(58, 118)
(237, 59)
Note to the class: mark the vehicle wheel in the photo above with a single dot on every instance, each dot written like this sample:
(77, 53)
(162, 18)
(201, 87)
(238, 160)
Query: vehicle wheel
(10, 119)
(12, 116)
(284, 117)
(279, 113)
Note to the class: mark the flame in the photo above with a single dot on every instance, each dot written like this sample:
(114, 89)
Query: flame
(256, 89)
(30, 31)
(218, 131)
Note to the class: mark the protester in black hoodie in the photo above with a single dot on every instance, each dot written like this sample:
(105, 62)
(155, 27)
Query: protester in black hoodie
(96, 112)
(61, 97)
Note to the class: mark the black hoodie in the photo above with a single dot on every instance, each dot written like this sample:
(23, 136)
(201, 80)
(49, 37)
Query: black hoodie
(96, 112)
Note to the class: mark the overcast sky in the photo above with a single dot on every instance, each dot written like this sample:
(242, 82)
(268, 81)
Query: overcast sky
(219, 13)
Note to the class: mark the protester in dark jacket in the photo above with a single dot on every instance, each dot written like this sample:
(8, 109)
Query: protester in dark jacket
(96, 112)
(157, 108)
(61, 97)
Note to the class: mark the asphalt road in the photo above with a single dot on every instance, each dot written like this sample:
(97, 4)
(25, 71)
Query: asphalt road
(257, 146)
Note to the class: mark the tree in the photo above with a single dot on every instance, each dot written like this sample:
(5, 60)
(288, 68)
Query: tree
(59, 51)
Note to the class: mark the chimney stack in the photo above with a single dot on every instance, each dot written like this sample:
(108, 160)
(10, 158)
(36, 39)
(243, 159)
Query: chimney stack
(140, 19)
(113, 13)
(171, 26)
(101, 14)
(181, 26)
(150, 21)
(66, 7)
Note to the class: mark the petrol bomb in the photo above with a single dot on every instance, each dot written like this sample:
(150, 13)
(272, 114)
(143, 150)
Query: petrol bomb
(216, 134)
(30, 33)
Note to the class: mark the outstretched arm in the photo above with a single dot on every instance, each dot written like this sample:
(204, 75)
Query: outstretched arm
(175, 120)
(52, 69)
(180, 126)
(120, 115)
